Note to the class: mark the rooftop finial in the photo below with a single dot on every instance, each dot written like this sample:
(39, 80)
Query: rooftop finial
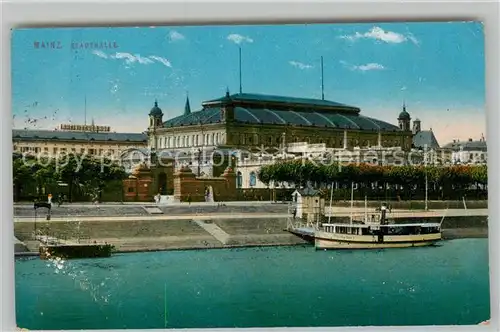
(187, 107)
(227, 91)
(404, 105)
(156, 102)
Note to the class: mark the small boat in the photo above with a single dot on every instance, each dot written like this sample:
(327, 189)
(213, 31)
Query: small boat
(373, 234)
(69, 251)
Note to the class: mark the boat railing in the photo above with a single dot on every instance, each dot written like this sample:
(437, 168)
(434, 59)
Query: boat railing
(295, 223)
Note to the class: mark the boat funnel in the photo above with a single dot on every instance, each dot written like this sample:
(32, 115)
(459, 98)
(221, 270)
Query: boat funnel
(383, 213)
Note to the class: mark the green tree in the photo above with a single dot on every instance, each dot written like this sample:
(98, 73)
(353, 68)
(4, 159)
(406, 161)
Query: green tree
(86, 174)
(22, 175)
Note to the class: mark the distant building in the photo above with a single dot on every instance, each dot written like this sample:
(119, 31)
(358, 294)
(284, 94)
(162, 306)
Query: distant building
(423, 139)
(70, 140)
(468, 152)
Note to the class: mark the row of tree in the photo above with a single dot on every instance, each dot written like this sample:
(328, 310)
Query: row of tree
(80, 175)
(406, 180)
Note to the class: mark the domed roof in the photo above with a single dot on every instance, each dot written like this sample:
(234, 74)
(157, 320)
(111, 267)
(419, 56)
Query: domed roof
(404, 115)
(156, 111)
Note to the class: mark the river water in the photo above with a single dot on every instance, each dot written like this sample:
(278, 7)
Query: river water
(252, 287)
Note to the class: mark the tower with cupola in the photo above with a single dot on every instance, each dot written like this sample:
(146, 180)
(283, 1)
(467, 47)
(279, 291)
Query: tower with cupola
(155, 122)
(404, 119)
(155, 117)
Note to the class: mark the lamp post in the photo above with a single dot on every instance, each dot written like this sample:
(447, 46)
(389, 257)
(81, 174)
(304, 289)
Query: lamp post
(426, 180)
(199, 162)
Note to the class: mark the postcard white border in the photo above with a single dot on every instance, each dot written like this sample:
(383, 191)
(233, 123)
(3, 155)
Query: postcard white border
(142, 13)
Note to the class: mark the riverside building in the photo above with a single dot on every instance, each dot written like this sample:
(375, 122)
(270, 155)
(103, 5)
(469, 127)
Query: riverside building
(85, 139)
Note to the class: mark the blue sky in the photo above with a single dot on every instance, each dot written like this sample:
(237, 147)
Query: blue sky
(436, 68)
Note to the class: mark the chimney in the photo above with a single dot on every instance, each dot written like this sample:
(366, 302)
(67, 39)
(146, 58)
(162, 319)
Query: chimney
(470, 139)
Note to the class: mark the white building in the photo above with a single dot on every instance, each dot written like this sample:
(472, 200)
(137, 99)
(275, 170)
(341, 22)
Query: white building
(249, 164)
(468, 152)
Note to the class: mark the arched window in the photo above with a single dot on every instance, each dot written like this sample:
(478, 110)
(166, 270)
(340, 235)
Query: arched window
(197, 140)
(253, 179)
(212, 139)
(239, 180)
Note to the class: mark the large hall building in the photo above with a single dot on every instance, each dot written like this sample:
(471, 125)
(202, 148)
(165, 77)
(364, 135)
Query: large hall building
(257, 122)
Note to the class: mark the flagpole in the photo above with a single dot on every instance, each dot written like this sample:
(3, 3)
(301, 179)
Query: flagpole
(331, 201)
(322, 81)
(241, 89)
(85, 112)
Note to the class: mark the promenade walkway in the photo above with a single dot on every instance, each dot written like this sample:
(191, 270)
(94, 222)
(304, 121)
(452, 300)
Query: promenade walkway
(339, 212)
(205, 216)
(118, 204)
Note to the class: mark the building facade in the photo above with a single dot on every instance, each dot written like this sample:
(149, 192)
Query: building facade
(474, 152)
(261, 122)
(250, 130)
(92, 140)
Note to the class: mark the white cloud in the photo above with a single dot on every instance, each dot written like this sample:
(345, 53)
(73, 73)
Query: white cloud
(161, 60)
(380, 34)
(135, 58)
(238, 39)
(129, 58)
(366, 67)
(370, 66)
(174, 36)
(100, 54)
(403, 88)
(300, 65)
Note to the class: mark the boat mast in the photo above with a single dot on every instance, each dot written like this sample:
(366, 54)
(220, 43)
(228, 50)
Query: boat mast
(352, 198)
(426, 183)
(331, 201)
(366, 209)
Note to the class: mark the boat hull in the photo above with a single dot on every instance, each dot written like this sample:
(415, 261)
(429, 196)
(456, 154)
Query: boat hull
(70, 251)
(325, 240)
(329, 244)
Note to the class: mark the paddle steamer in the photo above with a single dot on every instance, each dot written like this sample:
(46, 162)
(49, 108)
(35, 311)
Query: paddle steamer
(376, 234)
